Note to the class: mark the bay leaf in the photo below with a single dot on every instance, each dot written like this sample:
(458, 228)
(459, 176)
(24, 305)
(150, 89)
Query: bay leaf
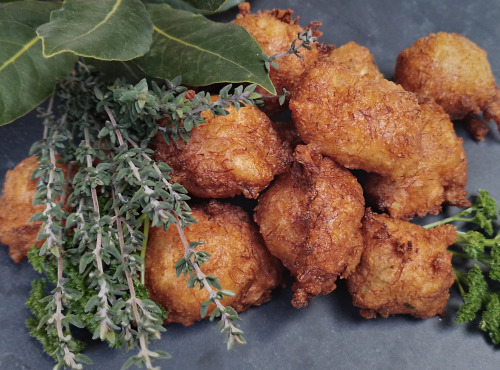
(200, 6)
(201, 51)
(208, 5)
(27, 78)
(100, 29)
(120, 69)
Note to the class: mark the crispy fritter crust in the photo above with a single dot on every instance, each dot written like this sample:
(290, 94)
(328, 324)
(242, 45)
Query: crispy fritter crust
(239, 259)
(239, 153)
(310, 219)
(275, 30)
(17, 208)
(360, 122)
(450, 69)
(358, 58)
(404, 269)
(441, 177)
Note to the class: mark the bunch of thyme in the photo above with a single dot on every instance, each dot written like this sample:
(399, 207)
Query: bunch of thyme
(95, 237)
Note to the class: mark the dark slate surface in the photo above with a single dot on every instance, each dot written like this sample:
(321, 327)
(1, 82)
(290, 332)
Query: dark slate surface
(329, 333)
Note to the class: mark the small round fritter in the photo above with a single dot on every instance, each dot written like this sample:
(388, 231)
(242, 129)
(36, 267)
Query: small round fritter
(239, 153)
(404, 269)
(360, 122)
(310, 219)
(440, 179)
(17, 208)
(239, 259)
(275, 30)
(357, 58)
(452, 70)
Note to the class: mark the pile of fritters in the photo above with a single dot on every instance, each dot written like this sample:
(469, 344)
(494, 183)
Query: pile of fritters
(312, 213)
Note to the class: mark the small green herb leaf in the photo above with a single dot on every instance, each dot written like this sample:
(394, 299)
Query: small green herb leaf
(229, 54)
(27, 78)
(101, 29)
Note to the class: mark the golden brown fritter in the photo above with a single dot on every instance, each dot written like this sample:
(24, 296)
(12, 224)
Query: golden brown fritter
(404, 269)
(360, 122)
(275, 31)
(239, 153)
(452, 70)
(239, 259)
(310, 219)
(358, 58)
(17, 208)
(440, 179)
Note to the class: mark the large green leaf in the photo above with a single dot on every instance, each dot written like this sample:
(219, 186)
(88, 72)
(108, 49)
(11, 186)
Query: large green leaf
(112, 70)
(200, 6)
(201, 51)
(27, 78)
(101, 29)
(209, 5)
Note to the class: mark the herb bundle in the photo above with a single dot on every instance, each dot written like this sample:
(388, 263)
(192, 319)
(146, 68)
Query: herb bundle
(95, 221)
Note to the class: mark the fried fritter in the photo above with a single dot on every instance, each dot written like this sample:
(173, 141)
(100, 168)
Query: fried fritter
(441, 177)
(17, 208)
(310, 219)
(404, 268)
(239, 259)
(452, 70)
(239, 153)
(367, 124)
(275, 30)
(357, 58)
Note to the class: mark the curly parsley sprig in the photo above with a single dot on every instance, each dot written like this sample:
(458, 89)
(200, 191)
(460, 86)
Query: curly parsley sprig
(479, 285)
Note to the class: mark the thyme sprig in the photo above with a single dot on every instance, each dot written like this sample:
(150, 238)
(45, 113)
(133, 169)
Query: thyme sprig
(94, 251)
(50, 187)
(306, 38)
